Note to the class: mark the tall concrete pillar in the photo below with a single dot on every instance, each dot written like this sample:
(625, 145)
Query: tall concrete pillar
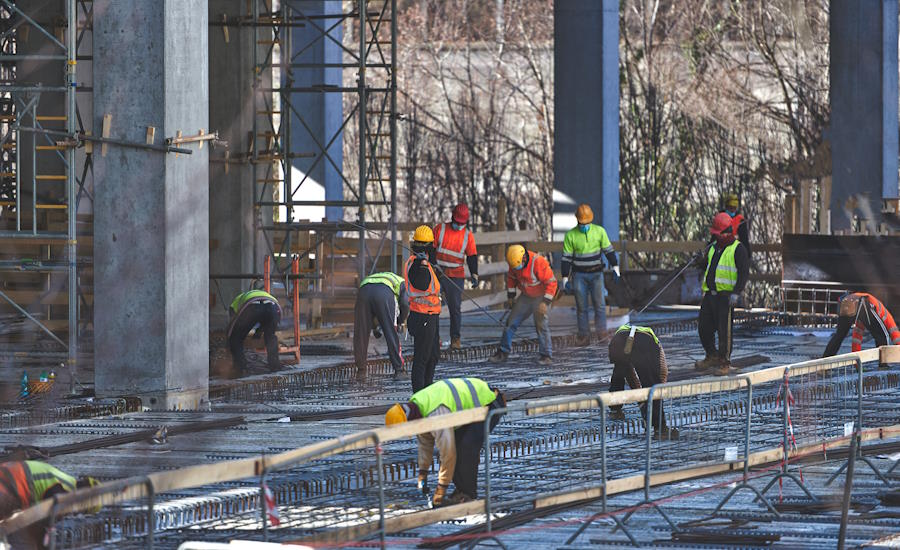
(151, 223)
(863, 75)
(321, 112)
(586, 107)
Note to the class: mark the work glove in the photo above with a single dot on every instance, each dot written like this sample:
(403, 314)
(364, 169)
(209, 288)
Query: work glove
(567, 286)
(422, 484)
(258, 333)
(510, 300)
(734, 299)
(475, 280)
(543, 308)
(617, 275)
(439, 495)
(376, 332)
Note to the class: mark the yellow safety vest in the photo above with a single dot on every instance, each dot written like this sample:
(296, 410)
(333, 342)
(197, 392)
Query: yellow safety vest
(726, 270)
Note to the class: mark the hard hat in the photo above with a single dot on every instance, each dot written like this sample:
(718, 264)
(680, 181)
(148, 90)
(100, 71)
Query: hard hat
(396, 415)
(423, 234)
(584, 214)
(721, 224)
(514, 255)
(731, 200)
(461, 213)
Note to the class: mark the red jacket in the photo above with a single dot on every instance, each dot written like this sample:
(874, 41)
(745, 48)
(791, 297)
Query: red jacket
(535, 279)
(452, 247)
(882, 318)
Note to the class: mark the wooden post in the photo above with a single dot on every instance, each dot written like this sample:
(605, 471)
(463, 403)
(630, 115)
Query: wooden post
(624, 256)
(805, 210)
(497, 281)
(825, 206)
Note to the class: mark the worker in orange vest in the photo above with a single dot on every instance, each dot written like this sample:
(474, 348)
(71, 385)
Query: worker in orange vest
(863, 311)
(739, 223)
(424, 290)
(454, 243)
(531, 274)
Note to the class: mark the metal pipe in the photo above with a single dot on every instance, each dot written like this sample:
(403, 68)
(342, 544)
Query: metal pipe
(393, 130)
(31, 318)
(71, 194)
(361, 89)
(379, 467)
(848, 490)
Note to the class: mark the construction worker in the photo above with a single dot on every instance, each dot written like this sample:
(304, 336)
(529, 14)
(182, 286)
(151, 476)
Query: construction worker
(863, 311)
(460, 447)
(454, 242)
(24, 483)
(740, 224)
(583, 249)
(251, 309)
(382, 306)
(531, 273)
(424, 291)
(727, 271)
(638, 358)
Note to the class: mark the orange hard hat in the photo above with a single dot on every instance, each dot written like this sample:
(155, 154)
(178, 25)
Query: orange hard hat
(721, 224)
(584, 214)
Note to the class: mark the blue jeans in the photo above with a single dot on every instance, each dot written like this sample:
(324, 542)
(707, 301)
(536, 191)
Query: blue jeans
(522, 308)
(584, 284)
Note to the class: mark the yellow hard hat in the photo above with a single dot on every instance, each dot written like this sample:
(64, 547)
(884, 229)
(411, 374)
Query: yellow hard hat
(423, 234)
(584, 214)
(514, 255)
(395, 415)
(731, 200)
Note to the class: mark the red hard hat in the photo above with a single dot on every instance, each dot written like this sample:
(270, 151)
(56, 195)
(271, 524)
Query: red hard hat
(721, 224)
(461, 213)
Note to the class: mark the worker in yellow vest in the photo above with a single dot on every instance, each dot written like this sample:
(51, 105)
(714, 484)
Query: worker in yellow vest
(727, 271)
(255, 308)
(460, 448)
(382, 306)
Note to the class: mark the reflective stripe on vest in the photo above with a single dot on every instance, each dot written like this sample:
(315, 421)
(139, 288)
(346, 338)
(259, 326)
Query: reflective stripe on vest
(44, 477)
(423, 301)
(457, 255)
(455, 393)
(645, 330)
(391, 280)
(587, 248)
(726, 269)
(252, 295)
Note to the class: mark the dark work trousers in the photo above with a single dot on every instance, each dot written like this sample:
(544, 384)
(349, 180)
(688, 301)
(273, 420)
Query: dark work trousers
(451, 288)
(426, 347)
(376, 302)
(715, 316)
(643, 360)
(469, 442)
(265, 314)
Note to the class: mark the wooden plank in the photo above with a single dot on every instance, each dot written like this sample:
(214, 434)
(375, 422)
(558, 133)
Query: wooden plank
(489, 238)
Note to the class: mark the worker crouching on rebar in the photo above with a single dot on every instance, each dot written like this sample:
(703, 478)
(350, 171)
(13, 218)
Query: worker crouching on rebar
(248, 310)
(863, 312)
(382, 307)
(424, 291)
(639, 359)
(460, 447)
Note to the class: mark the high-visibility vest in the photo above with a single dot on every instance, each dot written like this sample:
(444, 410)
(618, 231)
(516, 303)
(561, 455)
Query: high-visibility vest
(645, 330)
(251, 296)
(883, 318)
(15, 485)
(585, 250)
(423, 301)
(529, 282)
(726, 270)
(391, 280)
(452, 247)
(736, 222)
(456, 394)
(44, 477)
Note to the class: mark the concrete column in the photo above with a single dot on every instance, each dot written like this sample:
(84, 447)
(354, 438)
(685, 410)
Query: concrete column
(863, 75)
(586, 107)
(151, 223)
(322, 113)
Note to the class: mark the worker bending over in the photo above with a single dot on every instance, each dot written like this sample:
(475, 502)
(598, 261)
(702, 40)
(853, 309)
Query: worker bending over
(460, 447)
(382, 306)
(863, 311)
(727, 271)
(24, 483)
(740, 224)
(531, 274)
(583, 249)
(424, 291)
(248, 310)
(454, 243)
(638, 358)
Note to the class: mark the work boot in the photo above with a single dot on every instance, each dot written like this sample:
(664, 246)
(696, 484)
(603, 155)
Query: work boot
(455, 343)
(499, 356)
(665, 433)
(582, 340)
(723, 368)
(399, 375)
(361, 375)
(616, 414)
(457, 497)
(707, 362)
(545, 360)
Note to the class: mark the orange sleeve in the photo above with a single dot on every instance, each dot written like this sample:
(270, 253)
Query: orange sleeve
(471, 250)
(546, 276)
(436, 229)
(510, 280)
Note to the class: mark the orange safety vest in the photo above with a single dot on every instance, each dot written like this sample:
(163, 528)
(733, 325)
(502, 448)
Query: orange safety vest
(423, 301)
(15, 485)
(883, 318)
(534, 279)
(452, 247)
(735, 223)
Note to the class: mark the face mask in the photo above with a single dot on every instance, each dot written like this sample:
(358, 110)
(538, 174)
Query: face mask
(584, 228)
(457, 226)
(731, 213)
(521, 267)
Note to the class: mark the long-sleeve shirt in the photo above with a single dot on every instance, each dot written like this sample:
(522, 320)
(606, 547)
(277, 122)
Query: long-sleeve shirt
(403, 304)
(419, 276)
(535, 279)
(741, 260)
(877, 320)
(584, 251)
(445, 440)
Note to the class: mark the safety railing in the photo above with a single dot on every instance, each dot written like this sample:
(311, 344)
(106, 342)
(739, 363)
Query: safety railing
(541, 454)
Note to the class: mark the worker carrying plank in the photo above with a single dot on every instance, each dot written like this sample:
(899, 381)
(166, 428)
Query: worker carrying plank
(727, 271)
(584, 247)
(864, 312)
(639, 359)
(424, 290)
(454, 244)
(460, 447)
(531, 274)
(24, 483)
(382, 306)
(254, 308)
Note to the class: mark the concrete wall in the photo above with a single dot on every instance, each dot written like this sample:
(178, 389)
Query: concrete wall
(151, 220)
